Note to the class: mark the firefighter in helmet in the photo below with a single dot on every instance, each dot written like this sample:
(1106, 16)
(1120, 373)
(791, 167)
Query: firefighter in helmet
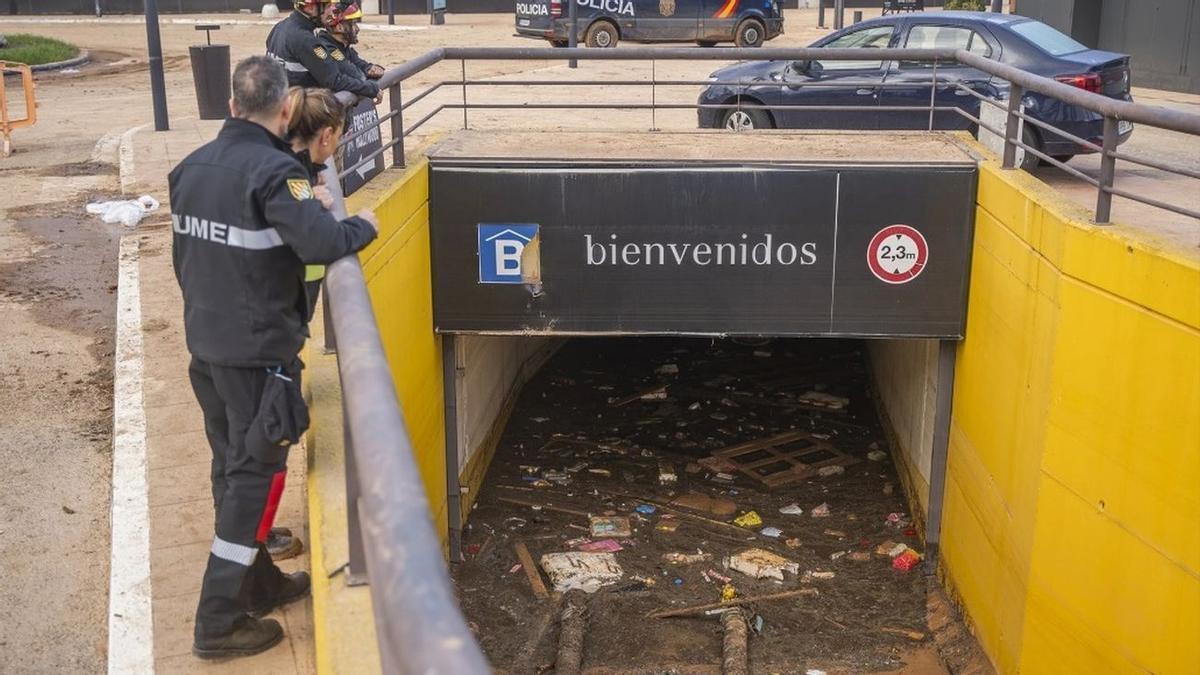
(293, 43)
(340, 34)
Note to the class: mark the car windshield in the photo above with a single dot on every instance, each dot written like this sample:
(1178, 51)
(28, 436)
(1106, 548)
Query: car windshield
(1047, 39)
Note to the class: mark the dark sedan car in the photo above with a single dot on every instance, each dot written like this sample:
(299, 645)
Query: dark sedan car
(1014, 40)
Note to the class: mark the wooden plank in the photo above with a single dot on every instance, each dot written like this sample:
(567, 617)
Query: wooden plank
(531, 570)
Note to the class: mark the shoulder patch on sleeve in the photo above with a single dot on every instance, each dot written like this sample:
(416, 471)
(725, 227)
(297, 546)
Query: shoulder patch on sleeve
(300, 189)
(320, 52)
(337, 55)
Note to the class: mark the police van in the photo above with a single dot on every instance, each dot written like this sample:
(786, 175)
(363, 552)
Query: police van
(601, 23)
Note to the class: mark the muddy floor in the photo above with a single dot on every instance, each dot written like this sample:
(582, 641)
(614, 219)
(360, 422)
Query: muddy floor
(599, 432)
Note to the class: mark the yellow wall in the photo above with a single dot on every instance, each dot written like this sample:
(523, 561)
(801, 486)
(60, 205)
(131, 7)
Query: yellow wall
(1072, 511)
(398, 278)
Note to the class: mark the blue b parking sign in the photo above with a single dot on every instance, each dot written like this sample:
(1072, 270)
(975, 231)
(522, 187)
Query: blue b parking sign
(500, 249)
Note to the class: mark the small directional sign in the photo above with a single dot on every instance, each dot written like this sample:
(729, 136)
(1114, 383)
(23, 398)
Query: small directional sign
(897, 254)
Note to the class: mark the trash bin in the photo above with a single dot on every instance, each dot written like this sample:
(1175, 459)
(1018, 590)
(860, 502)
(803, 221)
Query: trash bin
(210, 72)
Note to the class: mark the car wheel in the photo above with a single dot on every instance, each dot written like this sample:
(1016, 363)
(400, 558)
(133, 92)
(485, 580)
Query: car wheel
(601, 35)
(1029, 137)
(706, 43)
(746, 119)
(559, 44)
(750, 33)
(1062, 158)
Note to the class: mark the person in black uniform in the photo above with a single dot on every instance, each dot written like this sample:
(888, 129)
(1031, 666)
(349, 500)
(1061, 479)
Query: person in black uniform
(340, 34)
(245, 221)
(293, 43)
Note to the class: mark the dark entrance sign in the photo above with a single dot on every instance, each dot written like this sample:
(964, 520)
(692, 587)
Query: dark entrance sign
(870, 251)
(363, 117)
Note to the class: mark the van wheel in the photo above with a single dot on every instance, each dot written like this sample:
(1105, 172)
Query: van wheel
(602, 35)
(747, 119)
(706, 43)
(750, 33)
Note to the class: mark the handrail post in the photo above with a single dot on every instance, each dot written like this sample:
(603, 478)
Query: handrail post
(932, 94)
(1015, 93)
(1108, 170)
(396, 102)
(464, 90)
(653, 97)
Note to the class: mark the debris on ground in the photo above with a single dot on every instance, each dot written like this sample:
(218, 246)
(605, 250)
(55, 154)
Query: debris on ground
(761, 564)
(594, 479)
(748, 519)
(876, 455)
(610, 526)
(906, 561)
(588, 572)
(128, 212)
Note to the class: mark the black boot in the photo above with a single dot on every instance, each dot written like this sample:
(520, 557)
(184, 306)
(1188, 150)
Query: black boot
(249, 636)
(293, 587)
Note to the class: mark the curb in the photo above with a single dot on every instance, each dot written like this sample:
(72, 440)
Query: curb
(84, 57)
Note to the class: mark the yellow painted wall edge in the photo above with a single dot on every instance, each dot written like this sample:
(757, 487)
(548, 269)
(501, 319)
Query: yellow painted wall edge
(1073, 487)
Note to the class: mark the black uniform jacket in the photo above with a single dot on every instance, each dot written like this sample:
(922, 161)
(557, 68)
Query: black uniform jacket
(345, 57)
(308, 62)
(245, 223)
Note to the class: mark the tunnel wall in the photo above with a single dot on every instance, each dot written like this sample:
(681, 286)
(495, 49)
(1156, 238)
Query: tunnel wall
(904, 373)
(1070, 531)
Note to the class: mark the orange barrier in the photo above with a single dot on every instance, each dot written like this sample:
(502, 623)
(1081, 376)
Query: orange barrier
(6, 124)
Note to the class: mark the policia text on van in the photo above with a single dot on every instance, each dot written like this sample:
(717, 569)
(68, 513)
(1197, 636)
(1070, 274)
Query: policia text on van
(748, 23)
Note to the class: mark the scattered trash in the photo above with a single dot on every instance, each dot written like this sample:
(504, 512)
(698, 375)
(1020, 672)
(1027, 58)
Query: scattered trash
(772, 532)
(666, 474)
(821, 511)
(832, 470)
(785, 458)
(906, 561)
(610, 526)
(560, 477)
(539, 420)
(819, 399)
(722, 508)
(835, 533)
(603, 545)
(888, 488)
(760, 564)
(515, 568)
(686, 558)
(814, 671)
(836, 555)
(896, 550)
(792, 510)
(646, 509)
(127, 212)
(758, 624)
(818, 575)
(792, 543)
(600, 472)
(668, 369)
(903, 632)
(587, 572)
(694, 406)
(876, 455)
(748, 519)
(762, 354)
(718, 576)
(667, 525)
(860, 556)
(69, 71)
(678, 581)
(646, 581)
(655, 394)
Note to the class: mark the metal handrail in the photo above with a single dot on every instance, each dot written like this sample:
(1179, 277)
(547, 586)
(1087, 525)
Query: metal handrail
(418, 624)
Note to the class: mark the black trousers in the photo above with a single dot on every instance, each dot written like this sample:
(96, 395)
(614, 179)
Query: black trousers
(246, 492)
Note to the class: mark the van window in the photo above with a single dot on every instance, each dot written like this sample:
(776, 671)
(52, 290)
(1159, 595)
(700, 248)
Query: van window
(944, 37)
(1046, 38)
(876, 37)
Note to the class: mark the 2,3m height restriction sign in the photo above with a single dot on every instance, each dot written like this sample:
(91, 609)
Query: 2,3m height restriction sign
(897, 254)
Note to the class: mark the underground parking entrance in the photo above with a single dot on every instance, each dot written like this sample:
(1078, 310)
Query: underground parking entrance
(687, 393)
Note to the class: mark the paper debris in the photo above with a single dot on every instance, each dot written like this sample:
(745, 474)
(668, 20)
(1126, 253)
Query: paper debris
(821, 511)
(587, 572)
(748, 519)
(761, 564)
(792, 510)
(610, 526)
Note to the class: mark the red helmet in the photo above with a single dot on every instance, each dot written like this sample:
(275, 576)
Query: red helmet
(340, 12)
(305, 4)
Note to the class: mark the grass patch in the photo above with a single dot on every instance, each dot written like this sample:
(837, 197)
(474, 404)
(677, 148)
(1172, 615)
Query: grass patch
(35, 50)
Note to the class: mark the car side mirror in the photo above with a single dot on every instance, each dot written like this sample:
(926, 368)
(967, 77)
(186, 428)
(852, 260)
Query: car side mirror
(810, 68)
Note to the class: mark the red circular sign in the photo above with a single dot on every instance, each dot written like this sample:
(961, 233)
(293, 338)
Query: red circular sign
(897, 254)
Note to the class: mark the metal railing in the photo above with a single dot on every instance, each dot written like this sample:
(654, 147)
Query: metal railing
(393, 543)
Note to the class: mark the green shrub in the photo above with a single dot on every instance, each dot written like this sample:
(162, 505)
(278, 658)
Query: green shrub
(973, 5)
(35, 50)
